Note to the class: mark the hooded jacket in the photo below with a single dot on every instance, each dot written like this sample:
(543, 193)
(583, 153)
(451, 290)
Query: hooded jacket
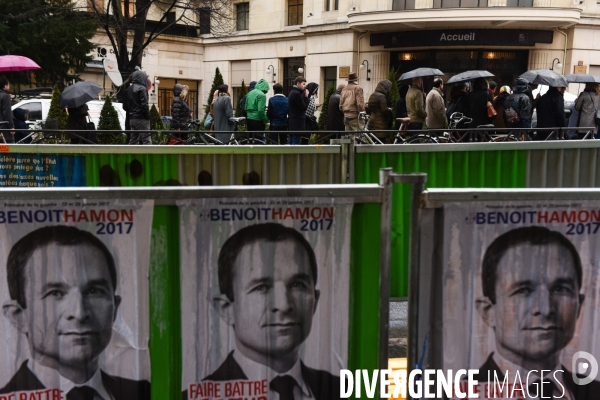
(415, 106)
(520, 101)
(256, 102)
(551, 110)
(243, 100)
(137, 96)
(180, 111)
(478, 99)
(381, 114)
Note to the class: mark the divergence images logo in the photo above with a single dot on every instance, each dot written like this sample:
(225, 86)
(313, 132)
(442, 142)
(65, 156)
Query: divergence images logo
(584, 363)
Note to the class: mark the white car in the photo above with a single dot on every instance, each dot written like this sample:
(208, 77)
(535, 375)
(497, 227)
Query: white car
(38, 110)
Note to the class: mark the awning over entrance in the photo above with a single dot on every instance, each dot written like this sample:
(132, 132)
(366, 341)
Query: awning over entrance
(472, 18)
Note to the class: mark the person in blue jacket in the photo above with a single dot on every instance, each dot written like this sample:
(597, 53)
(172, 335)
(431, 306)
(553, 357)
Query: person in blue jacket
(277, 112)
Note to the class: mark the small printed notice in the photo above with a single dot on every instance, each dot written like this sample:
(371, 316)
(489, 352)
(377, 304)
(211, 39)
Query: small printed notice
(41, 170)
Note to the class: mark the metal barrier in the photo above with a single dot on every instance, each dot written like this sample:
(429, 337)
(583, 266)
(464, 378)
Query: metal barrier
(440, 210)
(370, 240)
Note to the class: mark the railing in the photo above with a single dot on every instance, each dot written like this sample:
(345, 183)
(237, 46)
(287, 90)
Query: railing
(379, 137)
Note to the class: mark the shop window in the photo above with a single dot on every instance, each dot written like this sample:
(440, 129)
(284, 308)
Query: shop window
(295, 8)
(204, 20)
(242, 16)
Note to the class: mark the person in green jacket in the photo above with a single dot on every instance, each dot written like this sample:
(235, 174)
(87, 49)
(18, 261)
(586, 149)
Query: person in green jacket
(256, 103)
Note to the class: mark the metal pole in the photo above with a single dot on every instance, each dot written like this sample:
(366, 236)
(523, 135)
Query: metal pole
(413, 274)
(386, 179)
(384, 266)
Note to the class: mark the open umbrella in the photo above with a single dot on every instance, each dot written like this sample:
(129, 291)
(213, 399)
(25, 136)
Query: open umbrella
(16, 63)
(421, 72)
(545, 76)
(469, 76)
(582, 78)
(79, 94)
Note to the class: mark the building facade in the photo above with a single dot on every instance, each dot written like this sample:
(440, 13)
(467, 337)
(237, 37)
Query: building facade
(326, 39)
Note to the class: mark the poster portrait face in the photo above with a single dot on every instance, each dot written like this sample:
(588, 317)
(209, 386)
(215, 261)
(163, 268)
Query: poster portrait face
(66, 319)
(524, 294)
(70, 304)
(263, 292)
(537, 301)
(275, 299)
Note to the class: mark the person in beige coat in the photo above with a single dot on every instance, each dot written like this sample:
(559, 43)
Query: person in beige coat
(415, 105)
(434, 106)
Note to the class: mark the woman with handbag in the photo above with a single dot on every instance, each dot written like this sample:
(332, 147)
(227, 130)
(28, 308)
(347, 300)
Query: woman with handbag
(480, 99)
(311, 121)
(588, 105)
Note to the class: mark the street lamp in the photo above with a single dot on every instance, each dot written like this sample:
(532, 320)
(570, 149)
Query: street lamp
(558, 64)
(271, 70)
(301, 69)
(363, 66)
(156, 82)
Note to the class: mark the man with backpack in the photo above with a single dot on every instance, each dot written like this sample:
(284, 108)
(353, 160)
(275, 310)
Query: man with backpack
(517, 107)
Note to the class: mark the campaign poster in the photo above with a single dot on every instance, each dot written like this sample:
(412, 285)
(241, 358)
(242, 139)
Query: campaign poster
(74, 279)
(264, 297)
(521, 297)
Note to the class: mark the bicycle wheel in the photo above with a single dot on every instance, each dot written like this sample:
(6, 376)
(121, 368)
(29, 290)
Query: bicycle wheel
(421, 139)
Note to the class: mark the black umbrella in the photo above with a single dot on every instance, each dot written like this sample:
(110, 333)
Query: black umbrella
(545, 77)
(469, 76)
(79, 94)
(420, 72)
(582, 78)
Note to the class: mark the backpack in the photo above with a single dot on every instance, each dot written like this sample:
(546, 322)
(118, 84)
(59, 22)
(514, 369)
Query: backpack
(243, 106)
(512, 109)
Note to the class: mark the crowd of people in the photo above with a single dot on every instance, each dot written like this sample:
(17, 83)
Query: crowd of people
(513, 107)
(289, 116)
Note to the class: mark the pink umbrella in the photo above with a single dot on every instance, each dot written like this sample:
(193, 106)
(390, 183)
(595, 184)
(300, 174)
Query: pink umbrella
(16, 63)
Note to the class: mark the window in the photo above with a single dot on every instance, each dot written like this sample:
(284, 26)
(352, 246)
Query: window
(128, 8)
(98, 4)
(331, 5)
(329, 73)
(295, 12)
(170, 17)
(204, 18)
(242, 16)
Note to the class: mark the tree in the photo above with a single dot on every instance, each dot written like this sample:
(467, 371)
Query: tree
(243, 92)
(50, 32)
(325, 108)
(109, 120)
(394, 94)
(56, 111)
(156, 124)
(125, 19)
(217, 81)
